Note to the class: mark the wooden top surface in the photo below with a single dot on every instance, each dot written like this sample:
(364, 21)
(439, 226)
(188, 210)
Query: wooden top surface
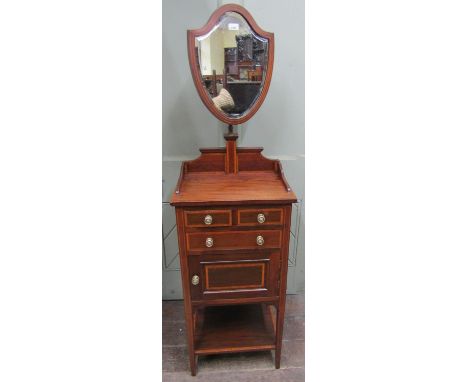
(245, 187)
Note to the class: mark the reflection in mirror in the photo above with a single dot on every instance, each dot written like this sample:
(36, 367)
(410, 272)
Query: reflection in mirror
(232, 62)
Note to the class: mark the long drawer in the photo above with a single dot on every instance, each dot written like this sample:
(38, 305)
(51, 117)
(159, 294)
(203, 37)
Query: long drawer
(214, 241)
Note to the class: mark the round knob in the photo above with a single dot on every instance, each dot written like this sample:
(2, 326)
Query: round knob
(195, 280)
(208, 219)
(261, 218)
(209, 242)
(260, 240)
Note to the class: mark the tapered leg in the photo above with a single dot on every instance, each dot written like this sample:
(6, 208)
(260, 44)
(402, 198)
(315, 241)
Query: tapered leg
(193, 364)
(281, 307)
(192, 356)
(190, 325)
(279, 331)
(278, 358)
(189, 312)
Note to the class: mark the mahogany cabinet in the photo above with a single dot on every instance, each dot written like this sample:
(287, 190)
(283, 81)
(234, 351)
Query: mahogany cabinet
(233, 231)
(233, 205)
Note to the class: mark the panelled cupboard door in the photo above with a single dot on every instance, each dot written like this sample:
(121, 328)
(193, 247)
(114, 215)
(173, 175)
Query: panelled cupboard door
(214, 278)
(236, 276)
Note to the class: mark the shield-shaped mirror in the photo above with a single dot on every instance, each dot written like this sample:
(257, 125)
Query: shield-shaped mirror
(231, 59)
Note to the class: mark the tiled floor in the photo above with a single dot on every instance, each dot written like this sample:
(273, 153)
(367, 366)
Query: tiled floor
(240, 367)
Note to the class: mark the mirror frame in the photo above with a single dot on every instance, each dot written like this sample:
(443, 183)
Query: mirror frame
(205, 97)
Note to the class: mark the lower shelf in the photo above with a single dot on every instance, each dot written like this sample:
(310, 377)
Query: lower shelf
(234, 328)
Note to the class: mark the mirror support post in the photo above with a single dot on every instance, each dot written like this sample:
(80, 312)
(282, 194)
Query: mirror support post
(230, 164)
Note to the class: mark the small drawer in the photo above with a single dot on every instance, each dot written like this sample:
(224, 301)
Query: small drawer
(259, 216)
(215, 241)
(208, 218)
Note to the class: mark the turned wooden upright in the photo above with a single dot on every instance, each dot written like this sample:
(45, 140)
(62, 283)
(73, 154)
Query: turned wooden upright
(233, 211)
(231, 152)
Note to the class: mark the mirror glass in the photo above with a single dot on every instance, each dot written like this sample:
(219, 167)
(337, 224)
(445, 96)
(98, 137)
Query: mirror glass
(232, 63)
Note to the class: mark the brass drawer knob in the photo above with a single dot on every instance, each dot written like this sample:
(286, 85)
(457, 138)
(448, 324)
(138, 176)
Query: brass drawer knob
(261, 218)
(260, 240)
(209, 242)
(208, 219)
(195, 280)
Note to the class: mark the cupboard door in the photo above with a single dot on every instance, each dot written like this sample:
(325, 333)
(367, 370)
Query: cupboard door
(233, 276)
